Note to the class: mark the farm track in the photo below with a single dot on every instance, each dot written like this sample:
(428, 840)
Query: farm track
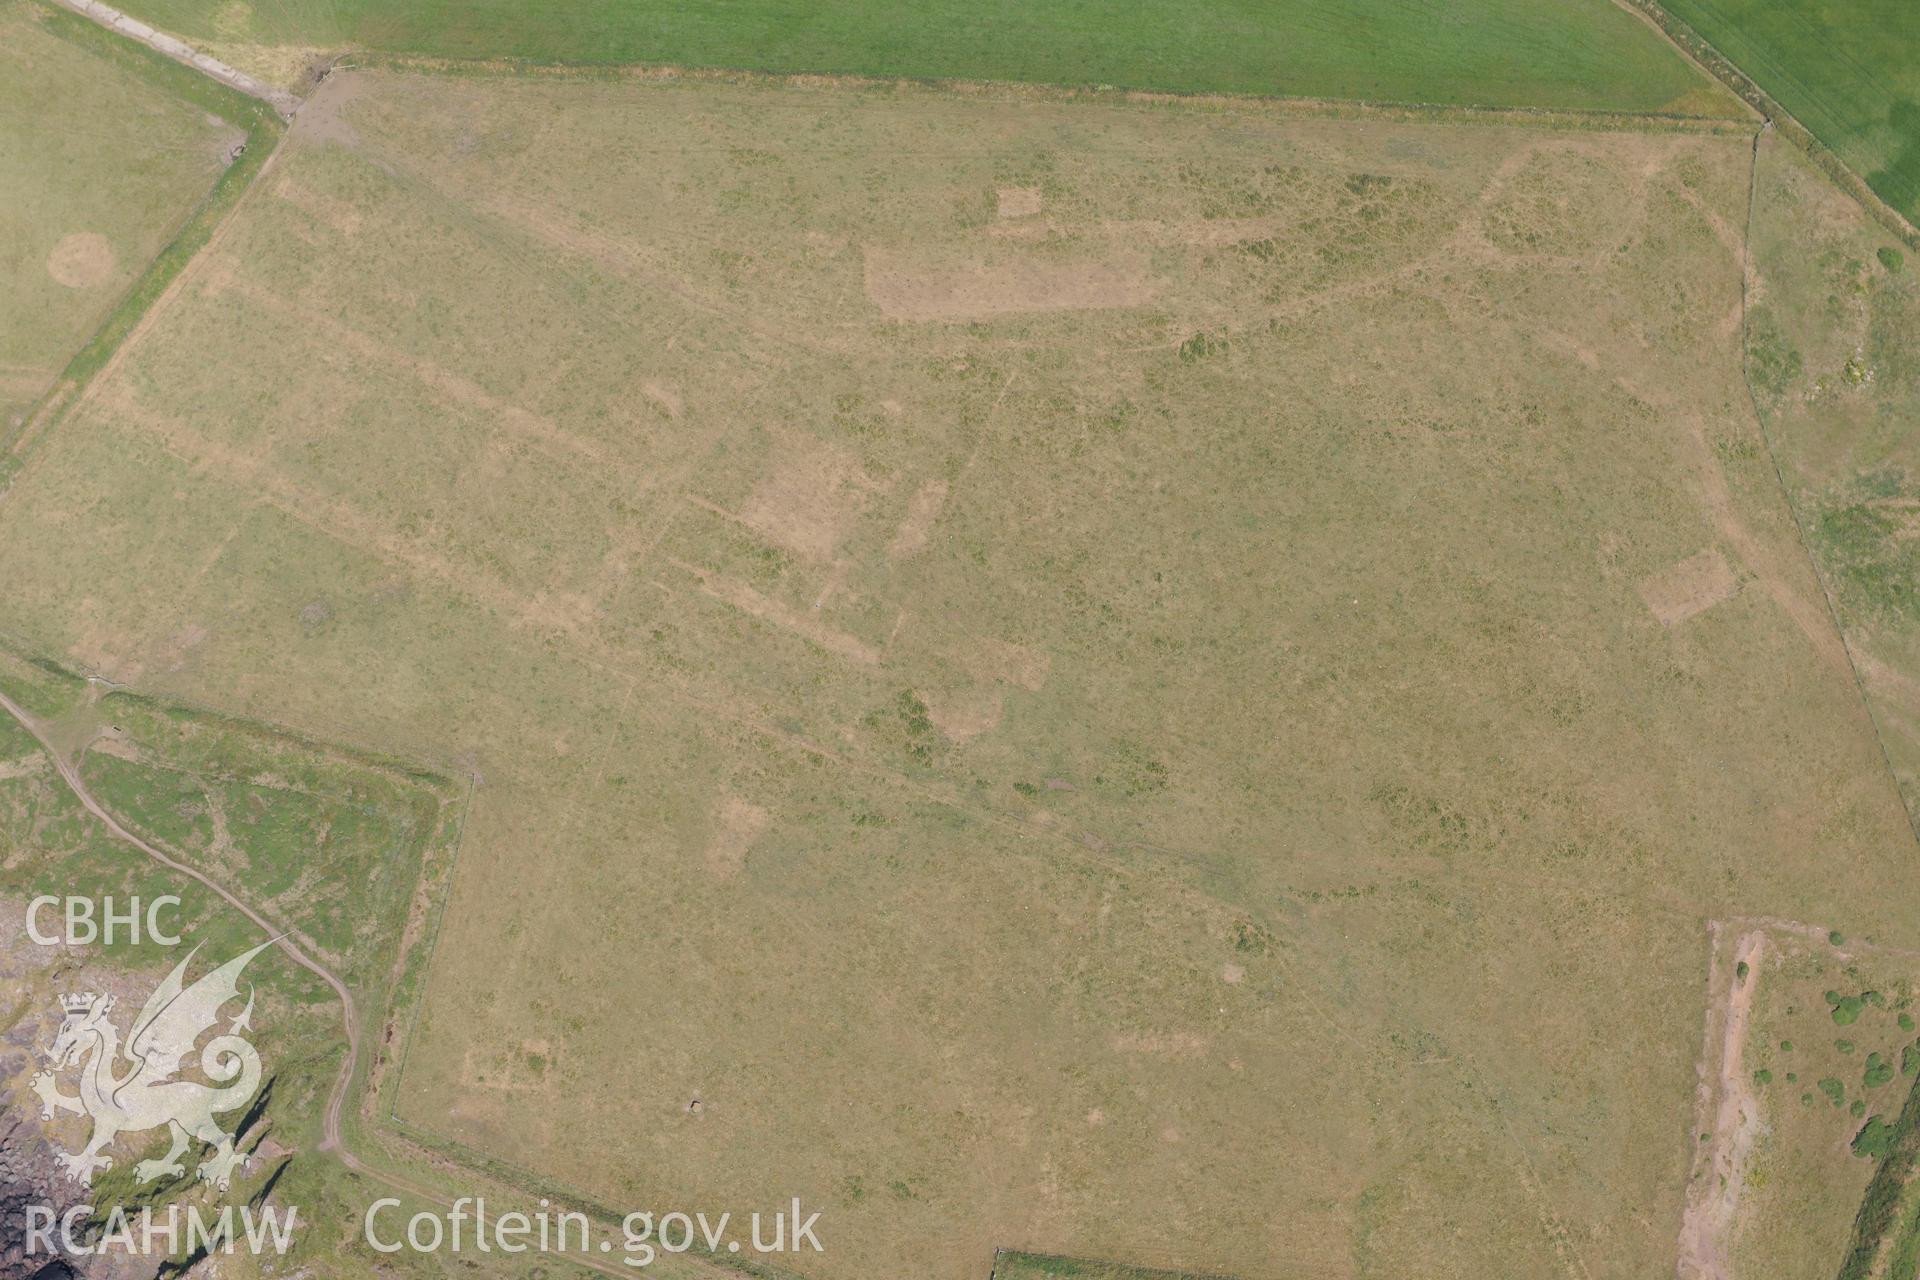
(184, 54)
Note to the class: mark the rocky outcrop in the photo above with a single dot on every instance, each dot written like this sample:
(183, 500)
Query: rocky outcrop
(29, 1177)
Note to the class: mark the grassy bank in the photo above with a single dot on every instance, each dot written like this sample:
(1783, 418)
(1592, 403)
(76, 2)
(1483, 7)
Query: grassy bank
(262, 128)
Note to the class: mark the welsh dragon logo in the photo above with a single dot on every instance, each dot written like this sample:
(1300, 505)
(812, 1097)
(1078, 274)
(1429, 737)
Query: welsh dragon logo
(129, 1088)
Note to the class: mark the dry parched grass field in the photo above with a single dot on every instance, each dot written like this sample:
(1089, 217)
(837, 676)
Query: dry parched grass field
(100, 167)
(1166, 683)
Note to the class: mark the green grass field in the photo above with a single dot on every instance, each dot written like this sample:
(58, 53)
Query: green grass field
(1849, 72)
(1526, 53)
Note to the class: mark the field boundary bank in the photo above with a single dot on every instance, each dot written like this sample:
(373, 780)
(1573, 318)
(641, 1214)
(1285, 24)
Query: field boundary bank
(1802, 536)
(1885, 1221)
(1882, 1215)
(1017, 91)
(185, 54)
(1093, 1269)
(263, 128)
(69, 773)
(443, 780)
(1728, 73)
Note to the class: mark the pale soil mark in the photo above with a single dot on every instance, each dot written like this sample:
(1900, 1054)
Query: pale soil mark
(1726, 1108)
(1013, 663)
(809, 499)
(736, 825)
(82, 260)
(1173, 1044)
(542, 223)
(964, 715)
(25, 385)
(1895, 686)
(905, 286)
(1196, 233)
(1690, 587)
(922, 511)
(337, 214)
(713, 508)
(1020, 202)
(28, 767)
(835, 580)
(666, 395)
(331, 519)
(75, 396)
(1729, 236)
(638, 263)
(1811, 618)
(805, 625)
(455, 387)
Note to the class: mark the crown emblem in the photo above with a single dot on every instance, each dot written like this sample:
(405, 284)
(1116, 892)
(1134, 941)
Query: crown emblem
(77, 1003)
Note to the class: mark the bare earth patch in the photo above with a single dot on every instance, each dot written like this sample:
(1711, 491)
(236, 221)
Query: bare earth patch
(1713, 1201)
(907, 287)
(808, 501)
(1020, 202)
(736, 825)
(965, 715)
(1693, 586)
(911, 537)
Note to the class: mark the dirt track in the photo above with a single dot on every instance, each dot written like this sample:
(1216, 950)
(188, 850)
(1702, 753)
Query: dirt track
(160, 42)
(1713, 1200)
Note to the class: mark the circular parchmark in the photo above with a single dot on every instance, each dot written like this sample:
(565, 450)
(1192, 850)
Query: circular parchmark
(83, 260)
